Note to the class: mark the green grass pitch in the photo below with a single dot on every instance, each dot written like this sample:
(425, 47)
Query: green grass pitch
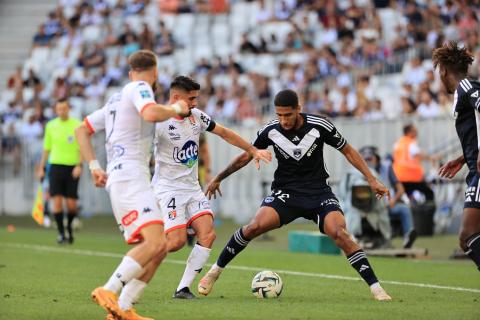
(42, 280)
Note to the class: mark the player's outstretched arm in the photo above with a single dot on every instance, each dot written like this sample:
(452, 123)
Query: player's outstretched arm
(83, 136)
(357, 161)
(161, 112)
(239, 162)
(234, 139)
(451, 168)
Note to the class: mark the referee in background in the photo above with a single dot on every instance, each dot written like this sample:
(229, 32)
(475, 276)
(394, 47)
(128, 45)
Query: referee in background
(60, 147)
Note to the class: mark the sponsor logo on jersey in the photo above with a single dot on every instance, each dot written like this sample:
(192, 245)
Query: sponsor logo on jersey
(174, 136)
(172, 214)
(282, 152)
(130, 218)
(269, 199)
(187, 155)
(145, 94)
(310, 151)
(171, 127)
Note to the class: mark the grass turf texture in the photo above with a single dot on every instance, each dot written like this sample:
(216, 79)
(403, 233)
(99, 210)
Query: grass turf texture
(40, 284)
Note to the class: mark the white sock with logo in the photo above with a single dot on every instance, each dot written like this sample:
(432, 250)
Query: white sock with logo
(126, 271)
(197, 259)
(131, 294)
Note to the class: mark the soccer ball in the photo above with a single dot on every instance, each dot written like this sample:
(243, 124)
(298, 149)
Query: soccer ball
(267, 284)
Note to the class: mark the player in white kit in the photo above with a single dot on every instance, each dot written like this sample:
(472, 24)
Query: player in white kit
(127, 119)
(177, 190)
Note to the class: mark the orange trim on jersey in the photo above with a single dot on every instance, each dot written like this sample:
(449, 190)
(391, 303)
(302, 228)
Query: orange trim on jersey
(180, 226)
(146, 106)
(136, 236)
(89, 125)
(198, 215)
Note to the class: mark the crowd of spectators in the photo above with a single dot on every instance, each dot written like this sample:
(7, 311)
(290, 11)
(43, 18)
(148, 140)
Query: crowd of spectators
(329, 51)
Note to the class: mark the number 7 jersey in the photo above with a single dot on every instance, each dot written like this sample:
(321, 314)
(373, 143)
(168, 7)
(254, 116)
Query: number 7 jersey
(176, 152)
(128, 136)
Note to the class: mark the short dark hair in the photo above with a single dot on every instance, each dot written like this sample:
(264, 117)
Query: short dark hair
(184, 83)
(452, 57)
(142, 60)
(63, 100)
(286, 98)
(408, 128)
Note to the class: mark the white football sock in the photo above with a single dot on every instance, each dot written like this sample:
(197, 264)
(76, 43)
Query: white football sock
(131, 294)
(126, 271)
(197, 259)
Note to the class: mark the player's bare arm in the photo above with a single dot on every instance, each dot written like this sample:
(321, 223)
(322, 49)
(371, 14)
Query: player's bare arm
(160, 112)
(357, 161)
(238, 163)
(83, 136)
(234, 139)
(451, 168)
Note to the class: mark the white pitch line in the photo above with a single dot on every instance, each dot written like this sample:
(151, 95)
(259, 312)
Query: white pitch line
(244, 268)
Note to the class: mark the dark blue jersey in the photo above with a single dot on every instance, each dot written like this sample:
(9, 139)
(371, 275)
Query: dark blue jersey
(467, 121)
(301, 167)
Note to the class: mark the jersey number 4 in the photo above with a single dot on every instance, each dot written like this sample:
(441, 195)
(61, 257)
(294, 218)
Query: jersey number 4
(171, 204)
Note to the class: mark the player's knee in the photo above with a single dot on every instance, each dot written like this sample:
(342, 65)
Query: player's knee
(175, 244)
(462, 239)
(207, 239)
(156, 247)
(341, 237)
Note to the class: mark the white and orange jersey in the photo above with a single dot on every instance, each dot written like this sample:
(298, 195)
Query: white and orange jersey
(128, 136)
(176, 151)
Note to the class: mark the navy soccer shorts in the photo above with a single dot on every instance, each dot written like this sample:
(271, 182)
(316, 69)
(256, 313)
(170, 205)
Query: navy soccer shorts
(290, 206)
(472, 194)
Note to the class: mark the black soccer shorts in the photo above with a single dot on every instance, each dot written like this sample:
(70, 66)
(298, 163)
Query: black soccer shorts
(472, 194)
(61, 181)
(290, 206)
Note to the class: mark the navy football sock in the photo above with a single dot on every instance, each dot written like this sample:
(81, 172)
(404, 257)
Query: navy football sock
(59, 219)
(234, 246)
(473, 244)
(359, 262)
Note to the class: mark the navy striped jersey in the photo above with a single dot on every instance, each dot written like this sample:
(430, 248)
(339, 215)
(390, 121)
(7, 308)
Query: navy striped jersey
(467, 121)
(301, 166)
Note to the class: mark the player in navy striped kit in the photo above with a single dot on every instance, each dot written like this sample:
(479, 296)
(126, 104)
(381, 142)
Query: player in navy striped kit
(299, 188)
(453, 62)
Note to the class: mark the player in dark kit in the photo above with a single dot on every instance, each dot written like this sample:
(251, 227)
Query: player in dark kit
(453, 63)
(299, 188)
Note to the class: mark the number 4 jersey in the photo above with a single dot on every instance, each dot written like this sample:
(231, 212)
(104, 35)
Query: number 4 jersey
(176, 152)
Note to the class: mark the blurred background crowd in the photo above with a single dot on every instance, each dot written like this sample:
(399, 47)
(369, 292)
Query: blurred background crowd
(362, 59)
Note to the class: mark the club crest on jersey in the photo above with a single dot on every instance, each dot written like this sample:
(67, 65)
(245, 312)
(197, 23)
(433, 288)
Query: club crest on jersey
(172, 214)
(187, 155)
(297, 153)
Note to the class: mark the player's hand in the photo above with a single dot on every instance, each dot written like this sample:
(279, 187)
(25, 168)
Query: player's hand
(77, 171)
(379, 189)
(212, 188)
(450, 169)
(184, 109)
(41, 173)
(263, 155)
(99, 177)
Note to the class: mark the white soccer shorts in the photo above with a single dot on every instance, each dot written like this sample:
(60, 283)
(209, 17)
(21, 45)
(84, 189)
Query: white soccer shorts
(134, 207)
(180, 209)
